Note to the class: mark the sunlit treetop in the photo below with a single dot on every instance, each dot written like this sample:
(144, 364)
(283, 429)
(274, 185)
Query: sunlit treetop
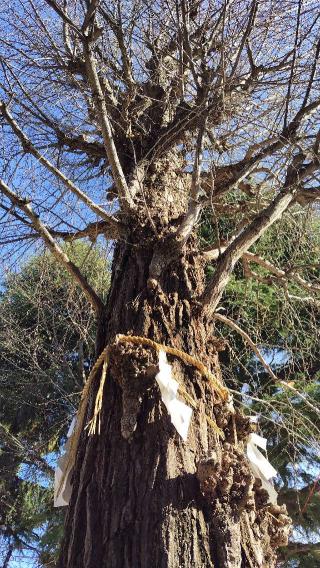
(118, 115)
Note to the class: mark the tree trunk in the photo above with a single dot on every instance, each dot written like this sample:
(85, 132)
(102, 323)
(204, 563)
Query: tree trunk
(142, 497)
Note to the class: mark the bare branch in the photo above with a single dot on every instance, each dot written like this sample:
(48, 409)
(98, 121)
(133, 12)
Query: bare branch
(195, 183)
(188, 223)
(90, 15)
(228, 176)
(64, 16)
(53, 246)
(100, 105)
(92, 231)
(281, 274)
(292, 64)
(296, 172)
(239, 246)
(246, 34)
(29, 147)
(212, 254)
(116, 26)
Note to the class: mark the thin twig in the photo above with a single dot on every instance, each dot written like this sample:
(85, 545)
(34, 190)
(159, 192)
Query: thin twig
(267, 367)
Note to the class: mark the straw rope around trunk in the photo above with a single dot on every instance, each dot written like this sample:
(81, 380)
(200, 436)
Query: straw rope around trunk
(103, 359)
(188, 359)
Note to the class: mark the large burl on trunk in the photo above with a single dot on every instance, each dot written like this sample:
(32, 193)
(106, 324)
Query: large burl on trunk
(141, 496)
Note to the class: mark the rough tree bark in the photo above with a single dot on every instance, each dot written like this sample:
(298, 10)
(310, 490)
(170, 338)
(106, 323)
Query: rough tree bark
(141, 496)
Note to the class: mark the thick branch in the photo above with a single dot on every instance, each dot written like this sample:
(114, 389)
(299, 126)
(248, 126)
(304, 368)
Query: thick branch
(226, 177)
(53, 246)
(92, 231)
(188, 223)
(239, 246)
(116, 27)
(296, 172)
(304, 548)
(195, 180)
(7, 558)
(101, 107)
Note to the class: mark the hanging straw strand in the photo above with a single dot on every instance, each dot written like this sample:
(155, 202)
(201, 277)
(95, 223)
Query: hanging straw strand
(74, 440)
(92, 424)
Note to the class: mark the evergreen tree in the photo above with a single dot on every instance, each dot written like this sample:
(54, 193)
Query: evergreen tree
(286, 331)
(47, 334)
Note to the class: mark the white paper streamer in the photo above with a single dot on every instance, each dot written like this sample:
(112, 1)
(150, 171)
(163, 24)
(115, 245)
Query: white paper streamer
(229, 404)
(256, 457)
(71, 427)
(260, 466)
(62, 497)
(179, 412)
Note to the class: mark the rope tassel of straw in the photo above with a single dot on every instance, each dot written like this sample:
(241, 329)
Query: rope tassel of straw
(74, 440)
(92, 424)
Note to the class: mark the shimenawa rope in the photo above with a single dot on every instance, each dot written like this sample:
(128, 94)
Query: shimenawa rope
(103, 359)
